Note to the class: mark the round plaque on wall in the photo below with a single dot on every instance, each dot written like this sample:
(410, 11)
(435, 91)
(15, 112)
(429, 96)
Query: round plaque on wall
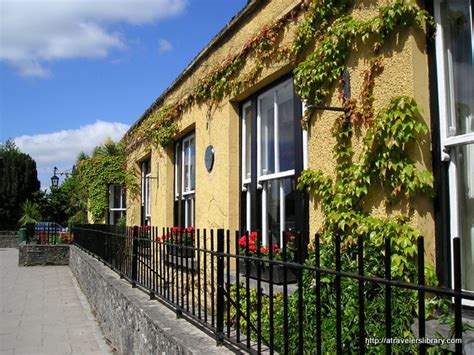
(209, 158)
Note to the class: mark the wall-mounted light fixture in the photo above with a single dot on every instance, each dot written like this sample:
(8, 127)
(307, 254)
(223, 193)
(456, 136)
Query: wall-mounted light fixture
(346, 94)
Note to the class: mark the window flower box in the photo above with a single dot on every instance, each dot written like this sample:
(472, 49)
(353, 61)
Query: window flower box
(178, 240)
(176, 250)
(249, 246)
(278, 272)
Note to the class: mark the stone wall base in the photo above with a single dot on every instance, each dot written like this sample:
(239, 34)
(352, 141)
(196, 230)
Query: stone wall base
(8, 239)
(133, 323)
(37, 254)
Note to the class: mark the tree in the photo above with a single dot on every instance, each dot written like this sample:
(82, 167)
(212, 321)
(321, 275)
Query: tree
(76, 199)
(30, 213)
(64, 204)
(108, 149)
(18, 182)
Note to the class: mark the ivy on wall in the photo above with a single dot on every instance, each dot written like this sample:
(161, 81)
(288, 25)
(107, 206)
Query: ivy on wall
(315, 76)
(97, 173)
(325, 22)
(383, 165)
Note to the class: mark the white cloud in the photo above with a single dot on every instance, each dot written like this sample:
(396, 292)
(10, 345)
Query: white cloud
(62, 148)
(164, 46)
(33, 33)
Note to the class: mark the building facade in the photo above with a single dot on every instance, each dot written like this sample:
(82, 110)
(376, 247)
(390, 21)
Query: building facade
(226, 144)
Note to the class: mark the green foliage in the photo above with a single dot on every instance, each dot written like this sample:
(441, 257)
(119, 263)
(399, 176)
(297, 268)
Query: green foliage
(319, 15)
(52, 205)
(97, 173)
(108, 149)
(385, 145)
(30, 213)
(75, 198)
(165, 133)
(159, 127)
(384, 161)
(82, 156)
(18, 182)
(315, 76)
(122, 222)
(384, 165)
(326, 23)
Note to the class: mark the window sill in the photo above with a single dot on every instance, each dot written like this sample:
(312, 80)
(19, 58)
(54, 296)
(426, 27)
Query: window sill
(264, 285)
(178, 261)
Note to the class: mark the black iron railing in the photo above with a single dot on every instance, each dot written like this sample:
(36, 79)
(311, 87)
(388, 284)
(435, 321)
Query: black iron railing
(47, 233)
(261, 300)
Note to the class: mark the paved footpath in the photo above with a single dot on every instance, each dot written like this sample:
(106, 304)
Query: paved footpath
(43, 311)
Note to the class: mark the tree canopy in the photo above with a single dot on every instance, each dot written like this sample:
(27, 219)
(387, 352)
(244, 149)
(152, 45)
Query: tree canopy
(18, 182)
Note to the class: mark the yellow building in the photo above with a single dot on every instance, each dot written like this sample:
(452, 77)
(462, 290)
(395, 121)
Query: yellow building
(225, 144)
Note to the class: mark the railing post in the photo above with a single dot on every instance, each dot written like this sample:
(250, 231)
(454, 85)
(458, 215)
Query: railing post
(220, 288)
(457, 298)
(135, 256)
(30, 229)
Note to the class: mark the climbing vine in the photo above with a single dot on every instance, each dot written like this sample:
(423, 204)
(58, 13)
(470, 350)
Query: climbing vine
(96, 174)
(383, 164)
(315, 76)
(325, 22)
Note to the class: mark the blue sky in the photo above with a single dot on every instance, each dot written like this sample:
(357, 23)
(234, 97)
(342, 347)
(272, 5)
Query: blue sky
(74, 72)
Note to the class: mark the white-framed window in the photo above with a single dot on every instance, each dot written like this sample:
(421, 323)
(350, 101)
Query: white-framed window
(185, 181)
(117, 203)
(146, 192)
(455, 69)
(246, 143)
(274, 132)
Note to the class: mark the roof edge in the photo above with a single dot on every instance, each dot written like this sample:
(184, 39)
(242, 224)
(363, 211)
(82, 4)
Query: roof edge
(250, 8)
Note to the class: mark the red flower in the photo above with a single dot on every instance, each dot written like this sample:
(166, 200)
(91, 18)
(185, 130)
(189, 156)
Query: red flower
(264, 249)
(289, 236)
(276, 248)
(253, 236)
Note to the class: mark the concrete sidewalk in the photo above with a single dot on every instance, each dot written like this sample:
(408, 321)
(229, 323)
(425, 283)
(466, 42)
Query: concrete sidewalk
(43, 311)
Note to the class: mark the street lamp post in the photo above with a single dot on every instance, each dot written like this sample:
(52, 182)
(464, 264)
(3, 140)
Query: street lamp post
(55, 179)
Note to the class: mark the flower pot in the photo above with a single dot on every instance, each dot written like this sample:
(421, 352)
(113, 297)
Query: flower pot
(278, 272)
(180, 251)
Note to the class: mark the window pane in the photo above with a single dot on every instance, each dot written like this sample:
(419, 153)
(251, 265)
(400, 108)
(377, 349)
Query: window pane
(186, 165)
(286, 128)
(248, 141)
(289, 188)
(192, 164)
(273, 211)
(111, 196)
(177, 169)
(281, 194)
(457, 28)
(189, 211)
(115, 216)
(465, 168)
(116, 192)
(147, 193)
(267, 133)
(124, 198)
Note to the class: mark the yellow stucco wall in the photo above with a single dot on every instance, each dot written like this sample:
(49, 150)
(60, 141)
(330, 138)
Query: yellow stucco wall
(218, 193)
